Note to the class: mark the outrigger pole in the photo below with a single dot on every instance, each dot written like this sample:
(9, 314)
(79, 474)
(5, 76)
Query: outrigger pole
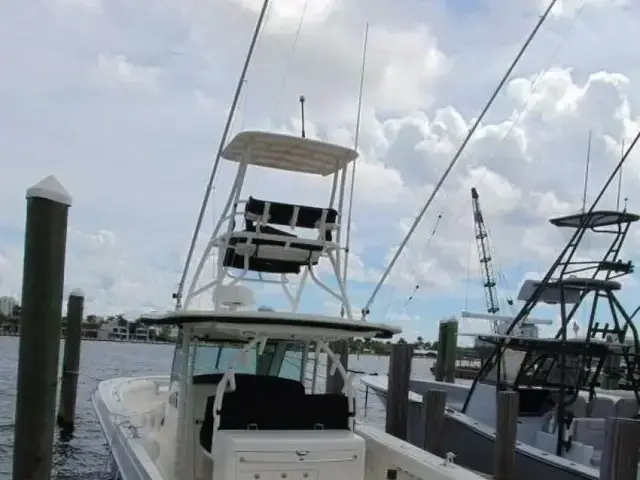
(353, 168)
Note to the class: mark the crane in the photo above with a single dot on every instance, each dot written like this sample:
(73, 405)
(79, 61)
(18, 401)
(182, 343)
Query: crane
(484, 253)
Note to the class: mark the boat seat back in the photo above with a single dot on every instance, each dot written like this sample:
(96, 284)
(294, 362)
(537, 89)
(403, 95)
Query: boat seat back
(247, 385)
(285, 214)
(578, 407)
(626, 408)
(273, 411)
(589, 431)
(263, 248)
(601, 407)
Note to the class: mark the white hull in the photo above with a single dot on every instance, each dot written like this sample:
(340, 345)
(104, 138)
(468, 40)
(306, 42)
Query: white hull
(122, 423)
(471, 437)
(130, 411)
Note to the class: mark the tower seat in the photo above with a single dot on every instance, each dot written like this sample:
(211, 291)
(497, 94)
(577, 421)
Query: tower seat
(261, 247)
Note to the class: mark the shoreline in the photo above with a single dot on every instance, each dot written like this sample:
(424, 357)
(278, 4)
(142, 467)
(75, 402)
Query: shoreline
(113, 340)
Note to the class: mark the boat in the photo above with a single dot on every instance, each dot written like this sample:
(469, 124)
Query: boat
(235, 404)
(563, 400)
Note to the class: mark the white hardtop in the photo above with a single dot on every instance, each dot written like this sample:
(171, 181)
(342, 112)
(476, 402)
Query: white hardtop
(288, 152)
(284, 325)
(505, 318)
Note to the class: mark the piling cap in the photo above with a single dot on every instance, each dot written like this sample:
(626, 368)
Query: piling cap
(449, 320)
(76, 292)
(50, 189)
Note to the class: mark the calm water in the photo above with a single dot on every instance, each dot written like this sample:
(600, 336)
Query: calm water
(85, 456)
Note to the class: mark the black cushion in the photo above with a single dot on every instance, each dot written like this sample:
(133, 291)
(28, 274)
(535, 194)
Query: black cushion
(274, 411)
(259, 388)
(282, 213)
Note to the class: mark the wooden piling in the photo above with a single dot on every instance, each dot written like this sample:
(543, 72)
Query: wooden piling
(441, 352)
(610, 376)
(451, 350)
(621, 452)
(398, 390)
(445, 368)
(433, 405)
(40, 323)
(504, 459)
(71, 361)
(335, 383)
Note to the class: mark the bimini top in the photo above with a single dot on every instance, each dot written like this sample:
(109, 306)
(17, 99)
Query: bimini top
(275, 324)
(595, 219)
(287, 152)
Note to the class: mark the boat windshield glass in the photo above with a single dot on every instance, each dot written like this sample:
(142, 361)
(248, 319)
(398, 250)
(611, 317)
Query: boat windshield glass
(279, 358)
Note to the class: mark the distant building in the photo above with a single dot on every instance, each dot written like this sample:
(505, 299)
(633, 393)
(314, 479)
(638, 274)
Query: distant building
(113, 331)
(142, 333)
(7, 304)
(90, 330)
(173, 334)
(10, 326)
(425, 353)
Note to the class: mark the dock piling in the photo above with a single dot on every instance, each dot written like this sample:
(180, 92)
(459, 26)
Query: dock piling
(71, 361)
(433, 405)
(445, 367)
(451, 350)
(621, 451)
(441, 352)
(40, 324)
(504, 459)
(398, 390)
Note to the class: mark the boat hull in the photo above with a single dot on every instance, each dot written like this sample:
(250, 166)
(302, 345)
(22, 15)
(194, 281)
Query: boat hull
(126, 429)
(473, 442)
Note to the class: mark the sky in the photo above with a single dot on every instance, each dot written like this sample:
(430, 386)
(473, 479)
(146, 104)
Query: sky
(124, 102)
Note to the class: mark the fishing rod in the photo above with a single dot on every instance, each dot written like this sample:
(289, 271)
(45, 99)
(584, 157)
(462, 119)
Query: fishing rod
(223, 140)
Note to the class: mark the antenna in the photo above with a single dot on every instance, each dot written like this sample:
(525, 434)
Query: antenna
(302, 114)
(177, 296)
(620, 182)
(586, 174)
(353, 168)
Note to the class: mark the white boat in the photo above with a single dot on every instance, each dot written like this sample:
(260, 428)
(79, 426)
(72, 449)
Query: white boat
(563, 407)
(235, 405)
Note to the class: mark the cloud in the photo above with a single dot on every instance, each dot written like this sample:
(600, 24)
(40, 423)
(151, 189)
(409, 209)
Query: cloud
(120, 71)
(125, 104)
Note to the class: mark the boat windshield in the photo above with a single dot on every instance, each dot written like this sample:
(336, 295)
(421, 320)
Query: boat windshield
(279, 358)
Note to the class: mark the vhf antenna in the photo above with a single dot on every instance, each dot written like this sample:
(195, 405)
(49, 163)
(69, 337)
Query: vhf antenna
(586, 174)
(620, 182)
(302, 113)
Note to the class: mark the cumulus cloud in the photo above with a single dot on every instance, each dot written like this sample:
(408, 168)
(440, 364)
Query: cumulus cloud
(125, 103)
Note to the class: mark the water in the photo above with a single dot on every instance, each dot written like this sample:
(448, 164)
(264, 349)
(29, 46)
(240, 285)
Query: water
(85, 456)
